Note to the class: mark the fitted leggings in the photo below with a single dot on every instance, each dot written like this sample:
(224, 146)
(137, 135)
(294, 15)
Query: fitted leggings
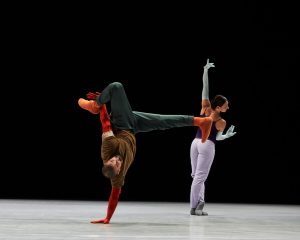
(122, 116)
(202, 156)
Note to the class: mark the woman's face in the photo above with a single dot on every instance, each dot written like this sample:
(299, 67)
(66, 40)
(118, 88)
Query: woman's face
(224, 107)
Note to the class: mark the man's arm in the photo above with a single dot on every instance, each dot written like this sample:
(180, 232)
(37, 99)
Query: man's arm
(112, 204)
(104, 117)
(105, 121)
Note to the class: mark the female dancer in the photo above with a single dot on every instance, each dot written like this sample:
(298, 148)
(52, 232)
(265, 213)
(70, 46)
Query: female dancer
(202, 153)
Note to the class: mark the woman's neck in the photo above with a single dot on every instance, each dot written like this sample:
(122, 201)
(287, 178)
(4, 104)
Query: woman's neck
(215, 115)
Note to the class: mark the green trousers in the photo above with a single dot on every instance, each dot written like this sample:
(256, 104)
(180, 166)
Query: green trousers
(122, 116)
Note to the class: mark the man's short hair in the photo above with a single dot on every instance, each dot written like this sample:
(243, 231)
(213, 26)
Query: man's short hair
(108, 171)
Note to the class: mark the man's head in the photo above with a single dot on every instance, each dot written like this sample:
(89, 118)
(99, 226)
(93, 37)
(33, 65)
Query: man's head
(112, 167)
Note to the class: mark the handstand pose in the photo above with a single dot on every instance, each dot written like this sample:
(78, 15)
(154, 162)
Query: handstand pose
(118, 134)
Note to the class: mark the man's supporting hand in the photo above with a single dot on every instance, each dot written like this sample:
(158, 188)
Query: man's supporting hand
(112, 204)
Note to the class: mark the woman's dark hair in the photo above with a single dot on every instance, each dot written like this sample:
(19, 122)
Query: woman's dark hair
(108, 171)
(218, 101)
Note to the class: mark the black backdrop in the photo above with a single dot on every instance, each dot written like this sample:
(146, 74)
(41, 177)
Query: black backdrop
(50, 147)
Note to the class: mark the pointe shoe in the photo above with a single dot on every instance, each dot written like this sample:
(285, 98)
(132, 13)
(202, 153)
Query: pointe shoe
(89, 105)
(200, 213)
(193, 211)
(199, 210)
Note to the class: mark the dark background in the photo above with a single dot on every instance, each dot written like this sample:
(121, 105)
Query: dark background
(50, 147)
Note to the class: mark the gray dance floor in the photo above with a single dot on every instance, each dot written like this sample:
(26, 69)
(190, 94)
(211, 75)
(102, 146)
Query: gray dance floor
(53, 219)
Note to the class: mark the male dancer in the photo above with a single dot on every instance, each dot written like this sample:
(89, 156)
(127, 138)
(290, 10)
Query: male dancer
(118, 134)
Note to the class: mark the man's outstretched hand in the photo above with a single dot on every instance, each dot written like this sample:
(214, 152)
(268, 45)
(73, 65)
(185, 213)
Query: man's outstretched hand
(104, 221)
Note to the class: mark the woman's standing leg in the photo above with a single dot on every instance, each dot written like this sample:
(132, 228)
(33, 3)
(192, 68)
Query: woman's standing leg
(194, 158)
(205, 153)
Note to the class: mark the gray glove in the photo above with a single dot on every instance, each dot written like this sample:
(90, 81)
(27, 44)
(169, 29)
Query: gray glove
(208, 65)
(228, 134)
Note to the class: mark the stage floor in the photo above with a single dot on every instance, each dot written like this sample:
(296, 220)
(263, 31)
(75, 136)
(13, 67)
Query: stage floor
(63, 220)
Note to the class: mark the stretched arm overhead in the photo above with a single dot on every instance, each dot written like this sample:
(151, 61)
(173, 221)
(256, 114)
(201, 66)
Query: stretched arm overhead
(205, 90)
(105, 121)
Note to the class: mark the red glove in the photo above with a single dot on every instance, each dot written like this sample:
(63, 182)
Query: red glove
(91, 95)
(104, 221)
(104, 118)
(112, 204)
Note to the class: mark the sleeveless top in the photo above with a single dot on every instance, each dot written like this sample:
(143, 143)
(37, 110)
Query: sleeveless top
(213, 133)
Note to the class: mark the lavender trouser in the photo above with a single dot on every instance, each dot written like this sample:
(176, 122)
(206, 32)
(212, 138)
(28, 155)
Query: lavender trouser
(202, 156)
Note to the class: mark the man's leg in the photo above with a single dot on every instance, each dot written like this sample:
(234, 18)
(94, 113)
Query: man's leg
(146, 122)
(121, 112)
